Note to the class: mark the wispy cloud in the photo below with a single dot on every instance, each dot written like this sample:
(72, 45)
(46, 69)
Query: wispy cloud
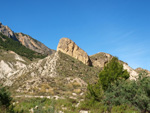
(129, 49)
(122, 37)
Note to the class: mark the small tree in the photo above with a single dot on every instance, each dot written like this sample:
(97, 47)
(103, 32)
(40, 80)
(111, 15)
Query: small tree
(112, 71)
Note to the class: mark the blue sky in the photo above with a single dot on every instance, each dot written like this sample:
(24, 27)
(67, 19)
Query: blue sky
(118, 27)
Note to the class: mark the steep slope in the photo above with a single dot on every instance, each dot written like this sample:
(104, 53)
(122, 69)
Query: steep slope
(100, 59)
(33, 44)
(9, 44)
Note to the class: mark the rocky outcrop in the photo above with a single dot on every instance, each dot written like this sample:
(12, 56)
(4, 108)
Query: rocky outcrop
(5, 30)
(132, 72)
(33, 44)
(69, 47)
(100, 59)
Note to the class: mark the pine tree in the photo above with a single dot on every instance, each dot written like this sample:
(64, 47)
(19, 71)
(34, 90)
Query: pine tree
(112, 71)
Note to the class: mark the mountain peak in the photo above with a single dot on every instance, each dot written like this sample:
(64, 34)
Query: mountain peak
(69, 47)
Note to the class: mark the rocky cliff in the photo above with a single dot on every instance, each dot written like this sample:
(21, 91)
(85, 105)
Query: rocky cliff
(69, 47)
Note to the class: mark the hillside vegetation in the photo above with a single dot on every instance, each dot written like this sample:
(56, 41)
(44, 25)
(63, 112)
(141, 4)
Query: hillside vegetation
(9, 44)
(114, 92)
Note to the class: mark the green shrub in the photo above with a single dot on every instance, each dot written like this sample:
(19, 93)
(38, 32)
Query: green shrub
(111, 72)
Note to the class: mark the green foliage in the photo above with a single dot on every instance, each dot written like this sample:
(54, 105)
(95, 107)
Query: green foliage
(6, 101)
(5, 98)
(10, 44)
(111, 72)
(133, 93)
(94, 93)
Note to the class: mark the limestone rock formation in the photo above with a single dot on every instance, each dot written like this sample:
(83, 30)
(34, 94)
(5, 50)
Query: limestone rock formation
(33, 44)
(69, 47)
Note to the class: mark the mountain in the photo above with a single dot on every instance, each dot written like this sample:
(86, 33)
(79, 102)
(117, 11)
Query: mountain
(26, 40)
(57, 74)
(29, 67)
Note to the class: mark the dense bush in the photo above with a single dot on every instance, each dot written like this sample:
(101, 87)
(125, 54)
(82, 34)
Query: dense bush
(133, 93)
(111, 73)
(10, 44)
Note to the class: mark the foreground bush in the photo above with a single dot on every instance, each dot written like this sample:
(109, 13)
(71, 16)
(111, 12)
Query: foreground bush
(133, 93)
(109, 75)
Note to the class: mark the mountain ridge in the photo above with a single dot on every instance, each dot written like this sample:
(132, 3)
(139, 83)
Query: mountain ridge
(26, 40)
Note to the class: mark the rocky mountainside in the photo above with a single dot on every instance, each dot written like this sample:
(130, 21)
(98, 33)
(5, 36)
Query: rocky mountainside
(58, 74)
(65, 72)
(33, 44)
(26, 40)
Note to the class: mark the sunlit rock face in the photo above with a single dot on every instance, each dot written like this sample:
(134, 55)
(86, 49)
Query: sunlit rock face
(69, 47)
